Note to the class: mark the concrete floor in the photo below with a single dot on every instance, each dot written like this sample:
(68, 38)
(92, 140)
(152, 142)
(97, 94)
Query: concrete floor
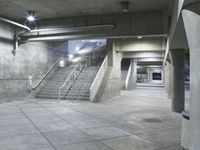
(137, 120)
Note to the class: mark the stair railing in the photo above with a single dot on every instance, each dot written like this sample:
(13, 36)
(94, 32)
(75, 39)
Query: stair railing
(67, 84)
(96, 85)
(48, 72)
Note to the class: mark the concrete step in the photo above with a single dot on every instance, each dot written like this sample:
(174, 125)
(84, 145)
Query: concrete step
(50, 95)
(77, 98)
(80, 89)
(49, 89)
(47, 96)
(51, 92)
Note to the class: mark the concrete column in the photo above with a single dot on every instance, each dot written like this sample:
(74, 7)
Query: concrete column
(192, 28)
(113, 84)
(169, 80)
(148, 74)
(133, 78)
(178, 97)
(167, 77)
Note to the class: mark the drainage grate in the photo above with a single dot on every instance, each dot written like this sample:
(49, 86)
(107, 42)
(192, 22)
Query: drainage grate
(152, 120)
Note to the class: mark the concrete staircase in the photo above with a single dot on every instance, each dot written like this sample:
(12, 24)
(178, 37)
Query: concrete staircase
(81, 87)
(50, 91)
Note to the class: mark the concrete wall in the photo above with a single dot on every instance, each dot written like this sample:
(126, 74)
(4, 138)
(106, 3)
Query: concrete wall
(113, 85)
(32, 59)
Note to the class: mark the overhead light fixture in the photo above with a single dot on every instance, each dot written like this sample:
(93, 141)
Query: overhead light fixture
(77, 48)
(30, 16)
(139, 37)
(62, 63)
(77, 59)
(71, 57)
(125, 6)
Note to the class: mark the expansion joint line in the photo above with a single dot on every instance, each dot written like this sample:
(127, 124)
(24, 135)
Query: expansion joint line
(37, 128)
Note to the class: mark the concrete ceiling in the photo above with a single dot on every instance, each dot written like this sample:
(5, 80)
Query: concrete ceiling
(49, 9)
(193, 5)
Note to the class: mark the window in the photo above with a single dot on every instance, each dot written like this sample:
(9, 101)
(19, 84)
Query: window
(157, 76)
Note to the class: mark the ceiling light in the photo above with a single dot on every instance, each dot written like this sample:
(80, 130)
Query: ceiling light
(77, 59)
(62, 63)
(71, 57)
(77, 48)
(30, 16)
(125, 6)
(139, 37)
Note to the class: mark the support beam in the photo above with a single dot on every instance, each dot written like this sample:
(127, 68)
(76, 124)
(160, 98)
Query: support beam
(178, 4)
(178, 97)
(192, 28)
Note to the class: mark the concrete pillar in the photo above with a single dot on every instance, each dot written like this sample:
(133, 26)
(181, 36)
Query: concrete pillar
(133, 77)
(113, 84)
(169, 79)
(178, 97)
(192, 28)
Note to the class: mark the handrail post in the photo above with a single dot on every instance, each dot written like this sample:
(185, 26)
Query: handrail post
(59, 92)
(67, 82)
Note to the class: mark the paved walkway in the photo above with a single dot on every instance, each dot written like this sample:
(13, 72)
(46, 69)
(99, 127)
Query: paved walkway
(137, 120)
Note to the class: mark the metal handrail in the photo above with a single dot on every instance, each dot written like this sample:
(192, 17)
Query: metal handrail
(39, 82)
(70, 75)
(68, 79)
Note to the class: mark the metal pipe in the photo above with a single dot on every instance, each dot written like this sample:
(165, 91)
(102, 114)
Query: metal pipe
(58, 37)
(15, 23)
(81, 36)
(73, 28)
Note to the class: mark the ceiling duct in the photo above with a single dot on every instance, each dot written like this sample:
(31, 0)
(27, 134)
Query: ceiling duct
(61, 33)
(47, 31)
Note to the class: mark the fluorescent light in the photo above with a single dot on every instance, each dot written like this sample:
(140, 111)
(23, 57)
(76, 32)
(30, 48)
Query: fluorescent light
(71, 56)
(77, 48)
(77, 59)
(62, 63)
(139, 37)
(31, 18)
